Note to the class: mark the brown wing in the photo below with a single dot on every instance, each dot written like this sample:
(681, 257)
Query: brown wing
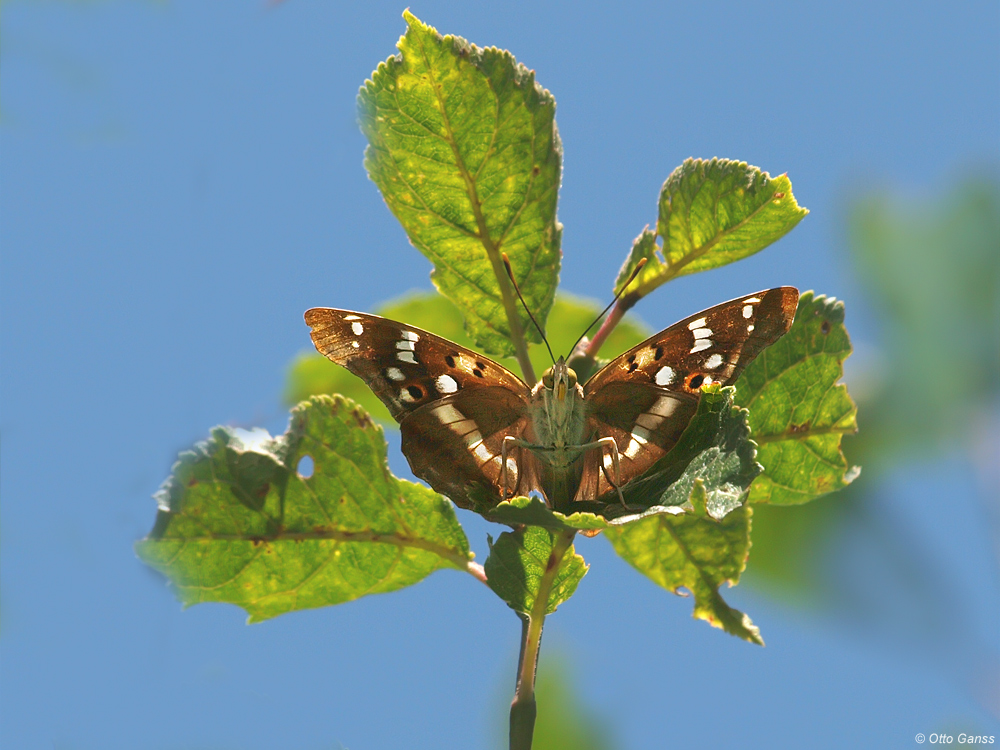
(645, 398)
(404, 366)
(454, 405)
(455, 444)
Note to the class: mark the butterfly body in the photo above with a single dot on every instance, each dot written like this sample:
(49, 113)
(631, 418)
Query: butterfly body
(477, 433)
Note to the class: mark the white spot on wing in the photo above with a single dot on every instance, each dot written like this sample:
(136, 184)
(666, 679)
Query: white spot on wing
(665, 375)
(750, 328)
(447, 414)
(747, 311)
(714, 361)
(482, 453)
(696, 324)
(352, 317)
(355, 344)
(394, 373)
(405, 397)
(634, 446)
(357, 328)
(702, 333)
(751, 300)
(403, 356)
(663, 407)
(446, 384)
(700, 345)
(410, 336)
(649, 421)
(405, 345)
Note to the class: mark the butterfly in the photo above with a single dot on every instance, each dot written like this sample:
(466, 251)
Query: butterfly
(478, 434)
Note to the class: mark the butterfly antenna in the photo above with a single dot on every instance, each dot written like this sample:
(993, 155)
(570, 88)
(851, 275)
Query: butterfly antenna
(635, 272)
(510, 275)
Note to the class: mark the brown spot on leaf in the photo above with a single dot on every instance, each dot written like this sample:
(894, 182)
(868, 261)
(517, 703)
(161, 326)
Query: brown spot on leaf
(825, 328)
(362, 418)
(779, 196)
(797, 428)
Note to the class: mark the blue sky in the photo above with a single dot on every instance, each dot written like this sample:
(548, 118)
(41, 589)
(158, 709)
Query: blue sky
(182, 180)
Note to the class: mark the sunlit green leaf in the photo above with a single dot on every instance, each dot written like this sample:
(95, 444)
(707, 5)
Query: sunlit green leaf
(523, 510)
(712, 213)
(463, 146)
(238, 523)
(798, 411)
(517, 562)
(694, 552)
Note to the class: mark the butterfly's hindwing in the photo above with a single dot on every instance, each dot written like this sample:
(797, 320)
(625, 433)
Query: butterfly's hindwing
(645, 398)
(454, 405)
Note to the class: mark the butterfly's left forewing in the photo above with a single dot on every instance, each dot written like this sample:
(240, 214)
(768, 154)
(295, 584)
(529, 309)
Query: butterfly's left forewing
(645, 398)
(454, 406)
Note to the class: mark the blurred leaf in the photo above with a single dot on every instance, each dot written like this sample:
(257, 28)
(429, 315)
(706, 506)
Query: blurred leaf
(237, 523)
(798, 412)
(712, 213)
(311, 373)
(564, 721)
(517, 562)
(694, 552)
(933, 272)
(463, 147)
(791, 544)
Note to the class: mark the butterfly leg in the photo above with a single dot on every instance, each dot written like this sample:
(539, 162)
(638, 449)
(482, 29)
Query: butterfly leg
(612, 446)
(509, 441)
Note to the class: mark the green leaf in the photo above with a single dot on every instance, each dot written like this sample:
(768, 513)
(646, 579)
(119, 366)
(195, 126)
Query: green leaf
(693, 552)
(932, 272)
(532, 511)
(237, 523)
(564, 720)
(712, 213)
(463, 146)
(519, 559)
(798, 412)
(312, 374)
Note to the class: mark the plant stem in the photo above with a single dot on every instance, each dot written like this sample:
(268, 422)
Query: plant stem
(523, 708)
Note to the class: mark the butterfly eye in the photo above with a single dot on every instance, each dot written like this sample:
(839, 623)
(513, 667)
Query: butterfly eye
(571, 377)
(547, 380)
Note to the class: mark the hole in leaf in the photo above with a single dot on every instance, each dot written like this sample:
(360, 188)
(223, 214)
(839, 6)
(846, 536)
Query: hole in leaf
(305, 467)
